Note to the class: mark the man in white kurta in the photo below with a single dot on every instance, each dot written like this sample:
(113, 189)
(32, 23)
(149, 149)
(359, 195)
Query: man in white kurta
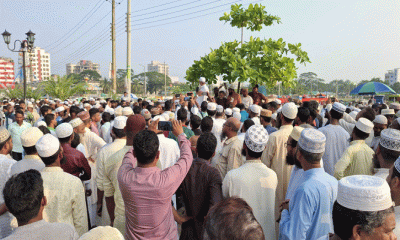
(387, 152)
(203, 91)
(380, 123)
(255, 182)
(64, 192)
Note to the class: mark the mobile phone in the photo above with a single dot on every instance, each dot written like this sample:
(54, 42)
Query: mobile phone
(190, 94)
(187, 98)
(164, 126)
(177, 95)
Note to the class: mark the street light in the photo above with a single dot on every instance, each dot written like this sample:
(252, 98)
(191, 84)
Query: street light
(26, 45)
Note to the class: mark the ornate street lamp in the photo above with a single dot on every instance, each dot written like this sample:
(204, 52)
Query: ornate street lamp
(7, 37)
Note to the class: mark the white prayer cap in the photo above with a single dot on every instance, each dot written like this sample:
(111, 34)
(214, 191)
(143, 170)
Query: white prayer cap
(60, 109)
(30, 105)
(110, 111)
(255, 108)
(380, 119)
(166, 116)
(102, 233)
(194, 110)
(289, 110)
(86, 105)
(76, 122)
(220, 109)
(30, 136)
(390, 139)
(211, 106)
(312, 140)
(364, 193)
(51, 102)
(338, 107)
(353, 114)
(161, 118)
(120, 122)
(41, 123)
(328, 107)
(4, 134)
(47, 145)
(91, 99)
(12, 103)
(278, 101)
(202, 79)
(395, 106)
(364, 125)
(228, 112)
(256, 138)
(97, 106)
(237, 115)
(235, 109)
(387, 112)
(118, 111)
(274, 116)
(222, 89)
(127, 111)
(64, 130)
(296, 132)
(357, 110)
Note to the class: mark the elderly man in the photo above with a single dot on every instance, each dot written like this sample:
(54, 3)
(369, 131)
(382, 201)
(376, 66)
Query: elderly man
(202, 92)
(380, 123)
(394, 182)
(233, 98)
(64, 192)
(255, 182)
(307, 215)
(367, 214)
(246, 99)
(358, 157)
(387, 152)
(230, 156)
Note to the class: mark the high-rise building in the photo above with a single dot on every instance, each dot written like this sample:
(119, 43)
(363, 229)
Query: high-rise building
(82, 66)
(38, 65)
(156, 66)
(7, 73)
(393, 76)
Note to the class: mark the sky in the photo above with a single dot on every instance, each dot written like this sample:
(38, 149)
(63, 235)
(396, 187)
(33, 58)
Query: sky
(345, 39)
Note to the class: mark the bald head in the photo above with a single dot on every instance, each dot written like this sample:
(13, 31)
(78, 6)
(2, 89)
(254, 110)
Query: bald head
(234, 124)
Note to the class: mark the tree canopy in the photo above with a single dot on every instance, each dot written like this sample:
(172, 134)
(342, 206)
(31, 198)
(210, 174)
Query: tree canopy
(155, 81)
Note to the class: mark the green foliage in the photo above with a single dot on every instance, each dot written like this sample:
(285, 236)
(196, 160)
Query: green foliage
(90, 75)
(106, 85)
(155, 81)
(18, 92)
(64, 87)
(181, 88)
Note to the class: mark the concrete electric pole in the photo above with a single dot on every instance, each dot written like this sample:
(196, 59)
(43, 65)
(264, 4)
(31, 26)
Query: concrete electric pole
(165, 81)
(128, 50)
(114, 64)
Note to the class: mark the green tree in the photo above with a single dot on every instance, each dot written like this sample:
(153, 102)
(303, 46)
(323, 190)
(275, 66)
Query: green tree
(155, 81)
(18, 92)
(106, 85)
(64, 87)
(90, 75)
(257, 61)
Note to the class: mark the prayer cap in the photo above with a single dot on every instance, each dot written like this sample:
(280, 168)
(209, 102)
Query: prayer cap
(211, 106)
(118, 111)
(395, 106)
(387, 112)
(296, 132)
(30, 105)
(60, 109)
(146, 114)
(126, 111)
(357, 110)
(86, 105)
(237, 115)
(158, 117)
(364, 193)
(390, 139)
(328, 107)
(312, 140)
(202, 79)
(228, 112)
(194, 110)
(155, 111)
(84, 115)
(120, 122)
(97, 106)
(4, 134)
(266, 113)
(110, 111)
(364, 125)
(165, 116)
(256, 138)
(64, 130)
(47, 145)
(255, 108)
(220, 109)
(135, 124)
(41, 123)
(338, 107)
(235, 109)
(353, 114)
(76, 122)
(380, 119)
(30, 136)
(103, 233)
(278, 101)
(289, 110)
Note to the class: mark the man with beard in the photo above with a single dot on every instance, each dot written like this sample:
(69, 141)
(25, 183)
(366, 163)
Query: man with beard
(246, 99)
(255, 182)
(380, 123)
(202, 92)
(258, 97)
(233, 98)
(64, 192)
(387, 152)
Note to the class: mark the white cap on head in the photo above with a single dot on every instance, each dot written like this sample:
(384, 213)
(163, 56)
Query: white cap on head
(395, 106)
(110, 111)
(296, 132)
(387, 112)
(202, 79)
(278, 101)
(103, 233)
(235, 109)
(127, 111)
(338, 107)
(390, 139)
(120, 122)
(4, 134)
(118, 111)
(328, 107)
(211, 106)
(159, 117)
(364, 193)
(228, 112)
(30, 136)
(255, 108)
(353, 114)
(29, 105)
(237, 115)
(41, 123)
(60, 109)
(220, 109)
(364, 125)
(47, 145)
(312, 140)
(290, 110)
(256, 138)
(86, 105)
(76, 122)
(194, 111)
(380, 119)
(64, 130)
(97, 106)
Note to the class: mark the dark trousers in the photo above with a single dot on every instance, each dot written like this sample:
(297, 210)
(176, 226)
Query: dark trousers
(16, 156)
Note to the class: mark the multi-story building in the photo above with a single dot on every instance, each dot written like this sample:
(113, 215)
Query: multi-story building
(7, 73)
(38, 65)
(82, 66)
(393, 76)
(156, 66)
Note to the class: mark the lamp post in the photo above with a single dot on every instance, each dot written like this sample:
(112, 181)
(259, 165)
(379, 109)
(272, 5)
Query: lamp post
(26, 45)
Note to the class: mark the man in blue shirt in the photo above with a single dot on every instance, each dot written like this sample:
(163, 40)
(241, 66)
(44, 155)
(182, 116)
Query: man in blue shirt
(243, 112)
(309, 214)
(265, 119)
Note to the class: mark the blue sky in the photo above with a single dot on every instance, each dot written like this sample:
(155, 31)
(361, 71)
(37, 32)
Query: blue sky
(349, 39)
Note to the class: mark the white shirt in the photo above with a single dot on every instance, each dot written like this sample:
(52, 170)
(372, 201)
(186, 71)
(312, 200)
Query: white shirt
(381, 172)
(202, 98)
(92, 142)
(375, 142)
(28, 162)
(104, 130)
(169, 152)
(256, 184)
(256, 120)
(5, 173)
(396, 231)
(247, 101)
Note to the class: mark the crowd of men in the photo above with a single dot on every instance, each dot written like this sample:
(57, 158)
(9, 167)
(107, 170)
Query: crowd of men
(218, 165)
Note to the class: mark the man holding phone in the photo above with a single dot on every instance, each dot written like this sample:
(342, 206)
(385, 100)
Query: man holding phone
(202, 92)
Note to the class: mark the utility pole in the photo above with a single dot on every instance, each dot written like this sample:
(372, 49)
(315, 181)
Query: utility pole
(128, 50)
(114, 64)
(165, 81)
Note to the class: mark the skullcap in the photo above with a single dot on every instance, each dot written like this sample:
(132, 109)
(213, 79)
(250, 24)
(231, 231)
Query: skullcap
(118, 111)
(60, 109)
(76, 122)
(4, 134)
(158, 117)
(278, 101)
(166, 116)
(296, 132)
(266, 113)
(312, 140)
(353, 114)
(64, 130)
(228, 112)
(387, 112)
(256, 138)
(235, 109)
(380, 119)
(328, 107)
(194, 111)
(41, 123)
(395, 106)
(155, 111)
(338, 107)
(220, 109)
(30, 105)
(120, 122)
(135, 123)
(237, 115)
(97, 106)
(211, 106)
(364, 193)
(364, 125)
(255, 108)
(146, 114)
(390, 139)
(289, 110)
(126, 111)
(86, 105)
(103, 233)
(202, 79)
(110, 111)
(47, 145)
(30, 136)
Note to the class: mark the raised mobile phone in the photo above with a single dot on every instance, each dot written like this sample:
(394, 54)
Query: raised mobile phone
(165, 126)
